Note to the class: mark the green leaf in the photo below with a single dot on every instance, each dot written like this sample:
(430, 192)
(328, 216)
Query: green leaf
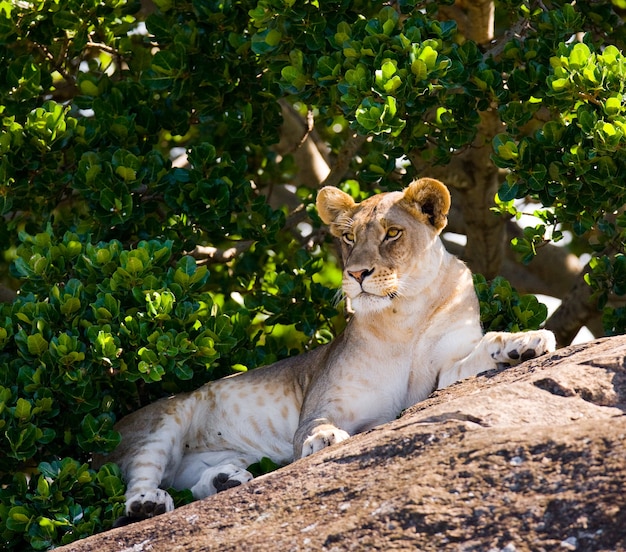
(429, 56)
(126, 173)
(505, 148)
(419, 69)
(168, 63)
(37, 345)
(70, 306)
(266, 41)
(508, 191)
(613, 105)
(273, 37)
(579, 56)
(66, 20)
(369, 116)
(43, 487)
(559, 84)
(19, 519)
(22, 410)
(263, 466)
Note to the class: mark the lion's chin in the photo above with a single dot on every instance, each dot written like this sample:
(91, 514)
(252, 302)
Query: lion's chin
(367, 303)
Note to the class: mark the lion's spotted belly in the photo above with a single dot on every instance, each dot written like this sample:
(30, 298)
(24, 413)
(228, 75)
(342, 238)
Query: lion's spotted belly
(243, 416)
(260, 435)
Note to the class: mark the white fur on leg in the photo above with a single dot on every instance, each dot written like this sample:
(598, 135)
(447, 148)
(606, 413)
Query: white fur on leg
(496, 348)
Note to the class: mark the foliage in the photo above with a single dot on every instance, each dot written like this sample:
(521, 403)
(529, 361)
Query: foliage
(136, 161)
(66, 501)
(575, 161)
(503, 309)
(263, 466)
(100, 330)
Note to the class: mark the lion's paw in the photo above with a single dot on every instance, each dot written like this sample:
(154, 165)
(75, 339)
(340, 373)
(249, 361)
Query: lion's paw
(148, 503)
(518, 347)
(220, 478)
(230, 476)
(323, 438)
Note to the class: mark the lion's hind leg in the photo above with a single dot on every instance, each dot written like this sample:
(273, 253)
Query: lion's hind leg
(148, 503)
(209, 472)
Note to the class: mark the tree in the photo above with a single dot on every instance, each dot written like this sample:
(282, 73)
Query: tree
(159, 164)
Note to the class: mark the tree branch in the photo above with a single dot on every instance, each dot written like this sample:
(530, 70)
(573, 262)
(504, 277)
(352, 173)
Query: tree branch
(517, 31)
(342, 163)
(299, 138)
(576, 309)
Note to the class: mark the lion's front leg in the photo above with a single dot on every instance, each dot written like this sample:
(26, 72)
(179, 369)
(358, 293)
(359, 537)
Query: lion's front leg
(498, 348)
(144, 469)
(513, 348)
(322, 437)
(150, 453)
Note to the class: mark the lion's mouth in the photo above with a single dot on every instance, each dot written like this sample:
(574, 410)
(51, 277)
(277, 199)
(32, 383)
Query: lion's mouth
(367, 302)
(369, 295)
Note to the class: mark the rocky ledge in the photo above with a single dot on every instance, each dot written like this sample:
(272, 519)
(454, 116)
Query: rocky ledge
(529, 458)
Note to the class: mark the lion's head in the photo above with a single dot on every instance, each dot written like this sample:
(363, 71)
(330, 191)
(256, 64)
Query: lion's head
(387, 240)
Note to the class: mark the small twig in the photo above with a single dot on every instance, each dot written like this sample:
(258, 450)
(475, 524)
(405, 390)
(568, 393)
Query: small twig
(103, 47)
(310, 124)
(518, 30)
(58, 66)
(590, 98)
(208, 254)
(296, 216)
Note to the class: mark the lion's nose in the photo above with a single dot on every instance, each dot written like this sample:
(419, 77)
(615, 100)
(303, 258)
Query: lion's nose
(360, 275)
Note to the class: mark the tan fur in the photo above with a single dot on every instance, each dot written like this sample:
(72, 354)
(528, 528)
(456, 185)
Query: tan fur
(415, 328)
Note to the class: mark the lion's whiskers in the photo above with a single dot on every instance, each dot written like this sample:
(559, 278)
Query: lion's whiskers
(339, 297)
(399, 290)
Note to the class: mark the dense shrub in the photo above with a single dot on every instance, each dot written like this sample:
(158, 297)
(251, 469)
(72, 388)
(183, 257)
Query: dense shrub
(98, 331)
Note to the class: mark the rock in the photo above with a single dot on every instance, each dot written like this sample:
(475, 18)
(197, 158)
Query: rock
(529, 458)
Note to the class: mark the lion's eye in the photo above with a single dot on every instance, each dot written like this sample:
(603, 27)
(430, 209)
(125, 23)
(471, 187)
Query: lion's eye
(393, 233)
(348, 237)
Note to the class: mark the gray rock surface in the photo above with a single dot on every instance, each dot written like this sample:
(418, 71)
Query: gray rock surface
(529, 458)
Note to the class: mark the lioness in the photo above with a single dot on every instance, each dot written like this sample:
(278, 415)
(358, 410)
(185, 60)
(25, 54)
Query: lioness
(415, 328)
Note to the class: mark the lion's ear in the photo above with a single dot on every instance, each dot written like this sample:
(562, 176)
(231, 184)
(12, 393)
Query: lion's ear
(432, 198)
(332, 203)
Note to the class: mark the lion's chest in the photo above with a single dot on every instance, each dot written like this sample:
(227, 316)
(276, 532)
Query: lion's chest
(372, 388)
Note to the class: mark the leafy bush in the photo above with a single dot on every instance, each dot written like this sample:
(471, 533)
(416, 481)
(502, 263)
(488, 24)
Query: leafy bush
(574, 168)
(66, 501)
(98, 331)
